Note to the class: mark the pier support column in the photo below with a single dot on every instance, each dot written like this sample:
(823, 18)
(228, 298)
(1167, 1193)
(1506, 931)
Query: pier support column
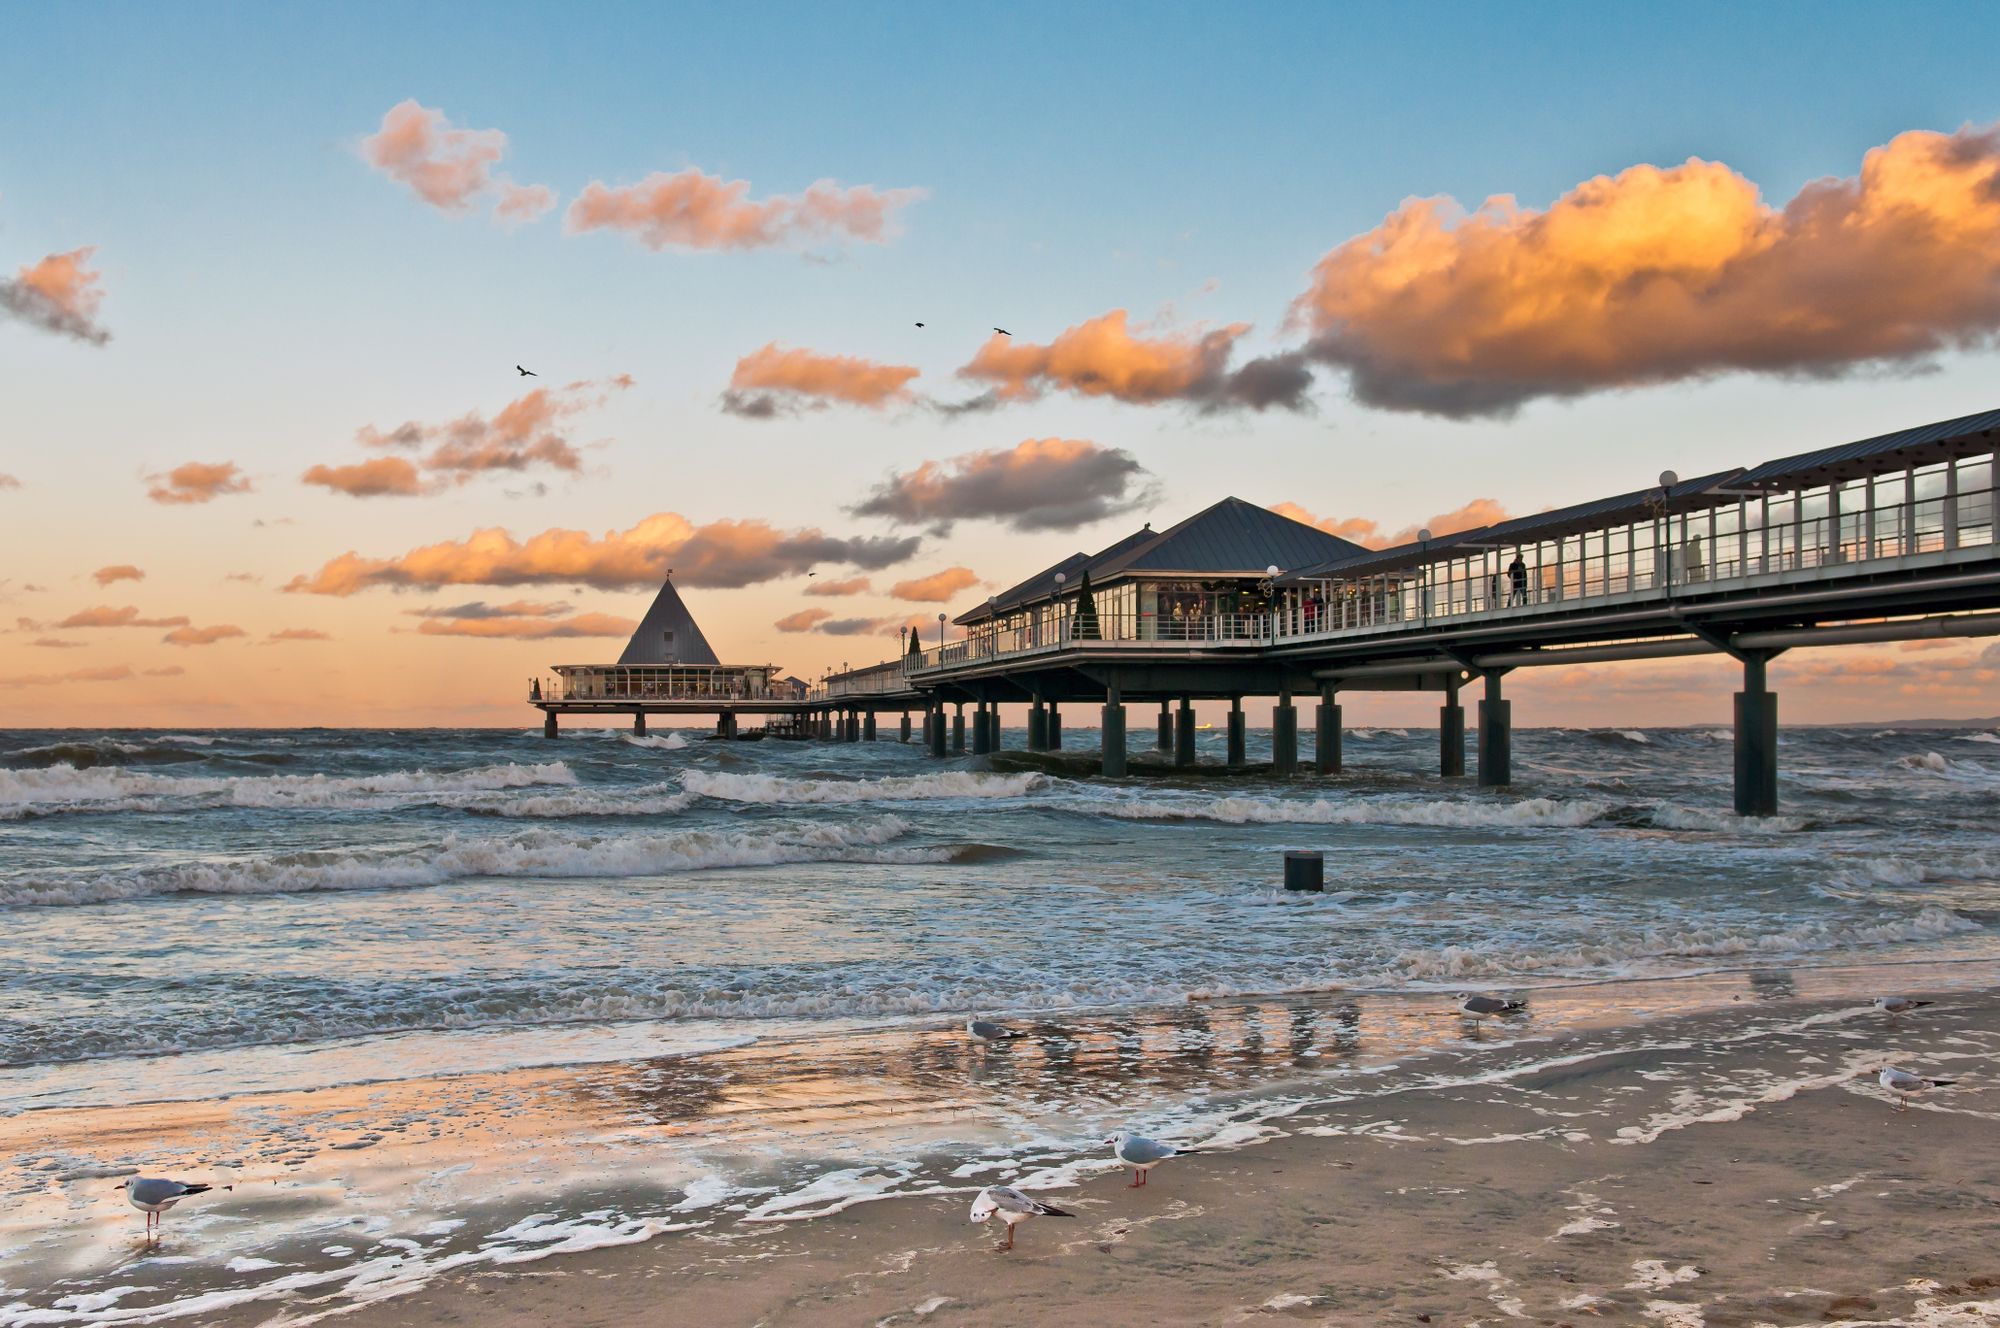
(1111, 724)
(638, 723)
(982, 730)
(549, 729)
(854, 726)
(934, 735)
(1496, 735)
(1166, 726)
(993, 728)
(1237, 759)
(1052, 733)
(1285, 736)
(958, 727)
(1756, 741)
(868, 727)
(1326, 732)
(1038, 726)
(1184, 735)
(905, 735)
(1451, 733)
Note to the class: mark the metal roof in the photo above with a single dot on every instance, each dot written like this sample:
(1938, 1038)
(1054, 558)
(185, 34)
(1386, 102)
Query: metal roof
(1032, 588)
(668, 634)
(1921, 446)
(1230, 538)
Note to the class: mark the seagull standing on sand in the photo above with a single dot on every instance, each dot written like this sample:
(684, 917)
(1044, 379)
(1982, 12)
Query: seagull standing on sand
(153, 1196)
(1014, 1208)
(1906, 1085)
(1142, 1154)
(991, 1032)
(1895, 1005)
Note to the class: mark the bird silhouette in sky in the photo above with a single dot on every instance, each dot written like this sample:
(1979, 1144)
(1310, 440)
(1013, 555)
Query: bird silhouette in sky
(919, 324)
(526, 373)
(1003, 331)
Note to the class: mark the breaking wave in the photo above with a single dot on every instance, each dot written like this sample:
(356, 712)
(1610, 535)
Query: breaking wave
(901, 788)
(665, 742)
(67, 788)
(1531, 812)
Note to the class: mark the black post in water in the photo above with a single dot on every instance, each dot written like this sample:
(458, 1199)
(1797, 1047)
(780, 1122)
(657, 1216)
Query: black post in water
(1305, 870)
(549, 724)
(905, 737)
(1184, 735)
(1326, 732)
(1451, 732)
(1285, 736)
(1756, 741)
(1112, 726)
(638, 723)
(1236, 758)
(982, 731)
(958, 726)
(1496, 735)
(868, 727)
(1053, 734)
(1038, 726)
(1166, 726)
(937, 729)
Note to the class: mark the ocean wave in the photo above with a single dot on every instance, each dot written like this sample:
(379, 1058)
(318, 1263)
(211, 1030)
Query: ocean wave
(67, 788)
(897, 788)
(1669, 817)
(665, 742)
(1935, 763)
(529, 854)
(88, 754)
(646, 800)
(1904, 870)
(1450, 812)
(1979, 737)
(1721, 941)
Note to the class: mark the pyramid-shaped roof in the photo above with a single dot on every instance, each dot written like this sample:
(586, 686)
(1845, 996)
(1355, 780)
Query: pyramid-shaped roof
(1230, 538)
(668, 634)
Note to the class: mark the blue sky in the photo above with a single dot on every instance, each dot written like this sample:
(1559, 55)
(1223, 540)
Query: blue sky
(269, 293)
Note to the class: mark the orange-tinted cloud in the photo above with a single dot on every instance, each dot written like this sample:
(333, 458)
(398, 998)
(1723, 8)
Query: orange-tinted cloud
(105, 615)
(935, 588)
(52, 643)
(720, 553)
(104, 576)
(836, 589)
(533, 628)
(1103, 357)
(769, 379)
(8, 481)
(1039, 484)
(299, 634)
(113, 673)
(1656, 275)
(377, 478)
(694, 210)
(202, 636)
(1478, 512)
(198, 482)
(169, 671)
(802, 621)
(450, 168)
(819, 620)
(59, 294)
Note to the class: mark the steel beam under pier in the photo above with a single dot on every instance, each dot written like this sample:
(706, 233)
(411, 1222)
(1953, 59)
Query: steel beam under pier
(958, 727)
(1285, 736)
(1112, 726)
(1053, 734)
(1756, 740)
(1326, 732)
(1235, 758)
(1496, 735)
(1451, 732)
(1166, 726)
(982, 730)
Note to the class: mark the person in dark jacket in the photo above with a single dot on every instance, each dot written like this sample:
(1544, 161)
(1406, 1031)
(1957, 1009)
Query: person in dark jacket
(1517, 578)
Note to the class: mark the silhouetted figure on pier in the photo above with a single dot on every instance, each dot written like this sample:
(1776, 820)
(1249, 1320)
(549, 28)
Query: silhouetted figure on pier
(1517, 577)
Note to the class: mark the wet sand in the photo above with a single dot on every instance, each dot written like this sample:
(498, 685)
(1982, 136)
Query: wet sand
(1734, 1166)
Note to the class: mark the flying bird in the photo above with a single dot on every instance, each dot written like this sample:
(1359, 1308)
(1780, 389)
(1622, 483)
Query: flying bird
(1142, 1154)
(152, 1196)
(1003, 331)
(1906, 1085)
(990, 1032)
(526, 373)
(919, 324)
(1895, 1005)
(1013, 1207)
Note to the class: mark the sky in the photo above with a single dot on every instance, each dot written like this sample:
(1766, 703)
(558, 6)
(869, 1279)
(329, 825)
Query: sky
(267, 273)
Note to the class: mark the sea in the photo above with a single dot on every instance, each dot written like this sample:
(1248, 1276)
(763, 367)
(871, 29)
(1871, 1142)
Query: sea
(431, 997)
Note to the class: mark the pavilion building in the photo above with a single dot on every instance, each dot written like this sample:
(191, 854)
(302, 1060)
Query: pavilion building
(669, 658)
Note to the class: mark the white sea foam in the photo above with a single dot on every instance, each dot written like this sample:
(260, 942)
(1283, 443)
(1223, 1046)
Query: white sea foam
(532, 854)
(64, 788)
(1980, 737)
(901, 788)
(665, 742)
(1669, 817)
(1905, 870)
(1457, 812)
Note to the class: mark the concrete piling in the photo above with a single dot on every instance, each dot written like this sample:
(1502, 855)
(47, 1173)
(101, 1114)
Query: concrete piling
(1305, 870)
(936, 728)
(1052, 734)
(1327, 735)
(1184, 735)
(1756, 740)
(549, 724)
(982, 730)
(905, 735)
(1451, 732)
(638, 723)
(1237, 758)
(868, 727)
(1112, 726)
(958, 727)
(1166, 726)
(1038, 726)
(1496, 735)
(1285, 736)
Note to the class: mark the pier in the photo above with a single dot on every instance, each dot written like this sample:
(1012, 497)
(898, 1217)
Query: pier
(1886, 539)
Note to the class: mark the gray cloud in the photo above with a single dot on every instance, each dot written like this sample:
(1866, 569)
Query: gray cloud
(1039, 484)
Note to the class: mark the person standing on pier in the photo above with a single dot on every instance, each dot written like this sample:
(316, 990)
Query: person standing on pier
(1517, 578)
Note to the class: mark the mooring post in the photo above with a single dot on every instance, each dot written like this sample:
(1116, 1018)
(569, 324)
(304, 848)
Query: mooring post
(548, 724)
(1038, 725)
(1326, 731)
(958, 726)
(1166, 726)
(905, 736)
(1756, 740)
(1184, 734)
(1237, 760)
(1285, 735)
(1112, 726)
(1052, 732)
(1496, 735)
(868, 727)
(1451, 731)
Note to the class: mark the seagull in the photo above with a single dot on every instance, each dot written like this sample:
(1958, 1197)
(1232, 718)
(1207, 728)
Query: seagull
(1488, 1007)
(1906, 1085)
(1003, 331)
(1013, 1206)
(1895, 1005)
(1142, 1154)
(919, 324)
(526, 373)
(152, 1196)
(991, 1032)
